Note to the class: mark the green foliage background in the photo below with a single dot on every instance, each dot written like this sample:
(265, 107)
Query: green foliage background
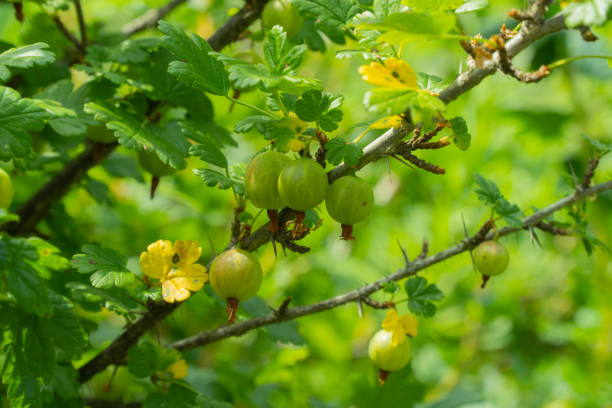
(539, 335)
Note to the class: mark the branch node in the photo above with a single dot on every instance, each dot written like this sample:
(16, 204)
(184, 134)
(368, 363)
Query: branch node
(377, 305)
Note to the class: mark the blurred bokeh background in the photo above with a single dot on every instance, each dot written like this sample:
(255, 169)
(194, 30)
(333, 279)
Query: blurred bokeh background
(539, 335)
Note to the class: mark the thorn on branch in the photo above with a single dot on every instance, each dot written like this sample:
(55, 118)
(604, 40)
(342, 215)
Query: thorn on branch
(424, 250)
(282, 309)
(377, 305)
(404, 253)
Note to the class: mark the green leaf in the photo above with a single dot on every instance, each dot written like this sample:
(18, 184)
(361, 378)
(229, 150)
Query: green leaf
(62, 92)
(402, 27)
(420, 296)
(65, 329)
(203, 131)
(491, 196)
(462, 137)
(38, 348)
(179, 395)
(387, 101)
(210, 153)
(429, 6)
(146, 359)
(331, 15)
(136, 133)
(339, 150)
(65, 381)
(281, 57)
(599, 146)
(122, 166)
(472, 5)
(587, 12)
(390, 287)
(382, 8)
(487, 192)
(18, 116)
(286, 332)
(259, 122)
(200, 70)
(142, 361)
(324, 109)
(213, 178)
(107, 265)
(49, 255)
(17, 262)
(24, 57)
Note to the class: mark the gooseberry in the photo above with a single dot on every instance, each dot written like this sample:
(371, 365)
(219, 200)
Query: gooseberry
(282, 13)
(100, 134)
(235, 275)
(302, 185)
(261, 183)
(387, 357)
(151, 163)
(349, 201)
(491, 259)
(6, 189)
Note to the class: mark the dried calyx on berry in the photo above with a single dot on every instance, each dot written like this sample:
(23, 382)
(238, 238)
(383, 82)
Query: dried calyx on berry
(151, 163)
(491, 259)
(302, 185)
(349, 201)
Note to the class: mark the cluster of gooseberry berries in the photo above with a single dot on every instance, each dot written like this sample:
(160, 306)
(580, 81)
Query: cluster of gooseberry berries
(273, 181)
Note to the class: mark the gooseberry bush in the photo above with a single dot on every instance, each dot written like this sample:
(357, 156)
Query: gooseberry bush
(233, 203)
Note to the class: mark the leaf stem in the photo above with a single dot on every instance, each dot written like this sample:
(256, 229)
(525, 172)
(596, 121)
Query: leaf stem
(280, 103)
(248, 105)
(564, 61)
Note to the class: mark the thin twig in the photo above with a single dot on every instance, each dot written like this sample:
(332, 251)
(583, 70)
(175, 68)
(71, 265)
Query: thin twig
(150, 18)
(64, 30)
(82, 26)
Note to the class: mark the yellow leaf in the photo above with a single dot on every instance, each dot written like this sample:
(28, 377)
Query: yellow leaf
(394, 121)
(394, 74)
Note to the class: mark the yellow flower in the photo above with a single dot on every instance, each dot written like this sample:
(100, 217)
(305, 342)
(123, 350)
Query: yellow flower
(400, 326)
(178, 369)
(395, 74)
(174, 265)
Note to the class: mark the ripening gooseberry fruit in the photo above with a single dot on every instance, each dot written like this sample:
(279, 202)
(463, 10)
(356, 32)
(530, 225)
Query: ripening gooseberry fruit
(387, 357)
(100, 134)
(282, 13)
(349, 201)
(6, 190)
(491, 259)
(151, 163)
(261, 183)
(302, 185)
(235, 275)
